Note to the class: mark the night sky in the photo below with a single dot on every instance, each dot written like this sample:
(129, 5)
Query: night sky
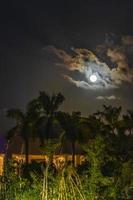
(40, 49)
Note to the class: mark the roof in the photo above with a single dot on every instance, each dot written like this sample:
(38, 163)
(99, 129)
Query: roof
(17, 147)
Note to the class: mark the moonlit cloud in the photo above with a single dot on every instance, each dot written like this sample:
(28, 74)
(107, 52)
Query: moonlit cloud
(100, 98)
(87, 63)
(112, 97)
(86, 85)
(127, 40)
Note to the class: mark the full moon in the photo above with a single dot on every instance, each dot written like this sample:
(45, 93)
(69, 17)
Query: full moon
(93, 78)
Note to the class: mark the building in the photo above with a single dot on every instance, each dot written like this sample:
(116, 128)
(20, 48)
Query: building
(15, 151)
(2, 153)
(1, 163)
(62, 155)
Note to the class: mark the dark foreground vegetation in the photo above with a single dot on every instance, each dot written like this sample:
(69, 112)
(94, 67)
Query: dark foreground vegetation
(106, 137)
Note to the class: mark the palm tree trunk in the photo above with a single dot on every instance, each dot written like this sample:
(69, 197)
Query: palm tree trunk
(26, 151)
(73, 153)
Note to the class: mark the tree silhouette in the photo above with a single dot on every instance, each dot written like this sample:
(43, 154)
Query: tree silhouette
(73, 132)
(24, 126)
(47, 124)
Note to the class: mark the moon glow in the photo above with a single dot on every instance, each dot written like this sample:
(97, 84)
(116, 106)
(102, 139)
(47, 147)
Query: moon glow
(93, 78)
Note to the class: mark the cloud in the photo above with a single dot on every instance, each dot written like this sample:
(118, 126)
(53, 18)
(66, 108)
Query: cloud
(127, 40)
(112, 97)
(118, 56)
(81, 84)
(87, 63)
(100, 98)
(86, 85)
(71, 62)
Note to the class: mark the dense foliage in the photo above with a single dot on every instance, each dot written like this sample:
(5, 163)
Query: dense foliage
(106, 138)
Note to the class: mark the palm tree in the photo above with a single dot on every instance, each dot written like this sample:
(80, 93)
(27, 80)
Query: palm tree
(24, 126)
(47, 124)
(71, 124)
(48, 127)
